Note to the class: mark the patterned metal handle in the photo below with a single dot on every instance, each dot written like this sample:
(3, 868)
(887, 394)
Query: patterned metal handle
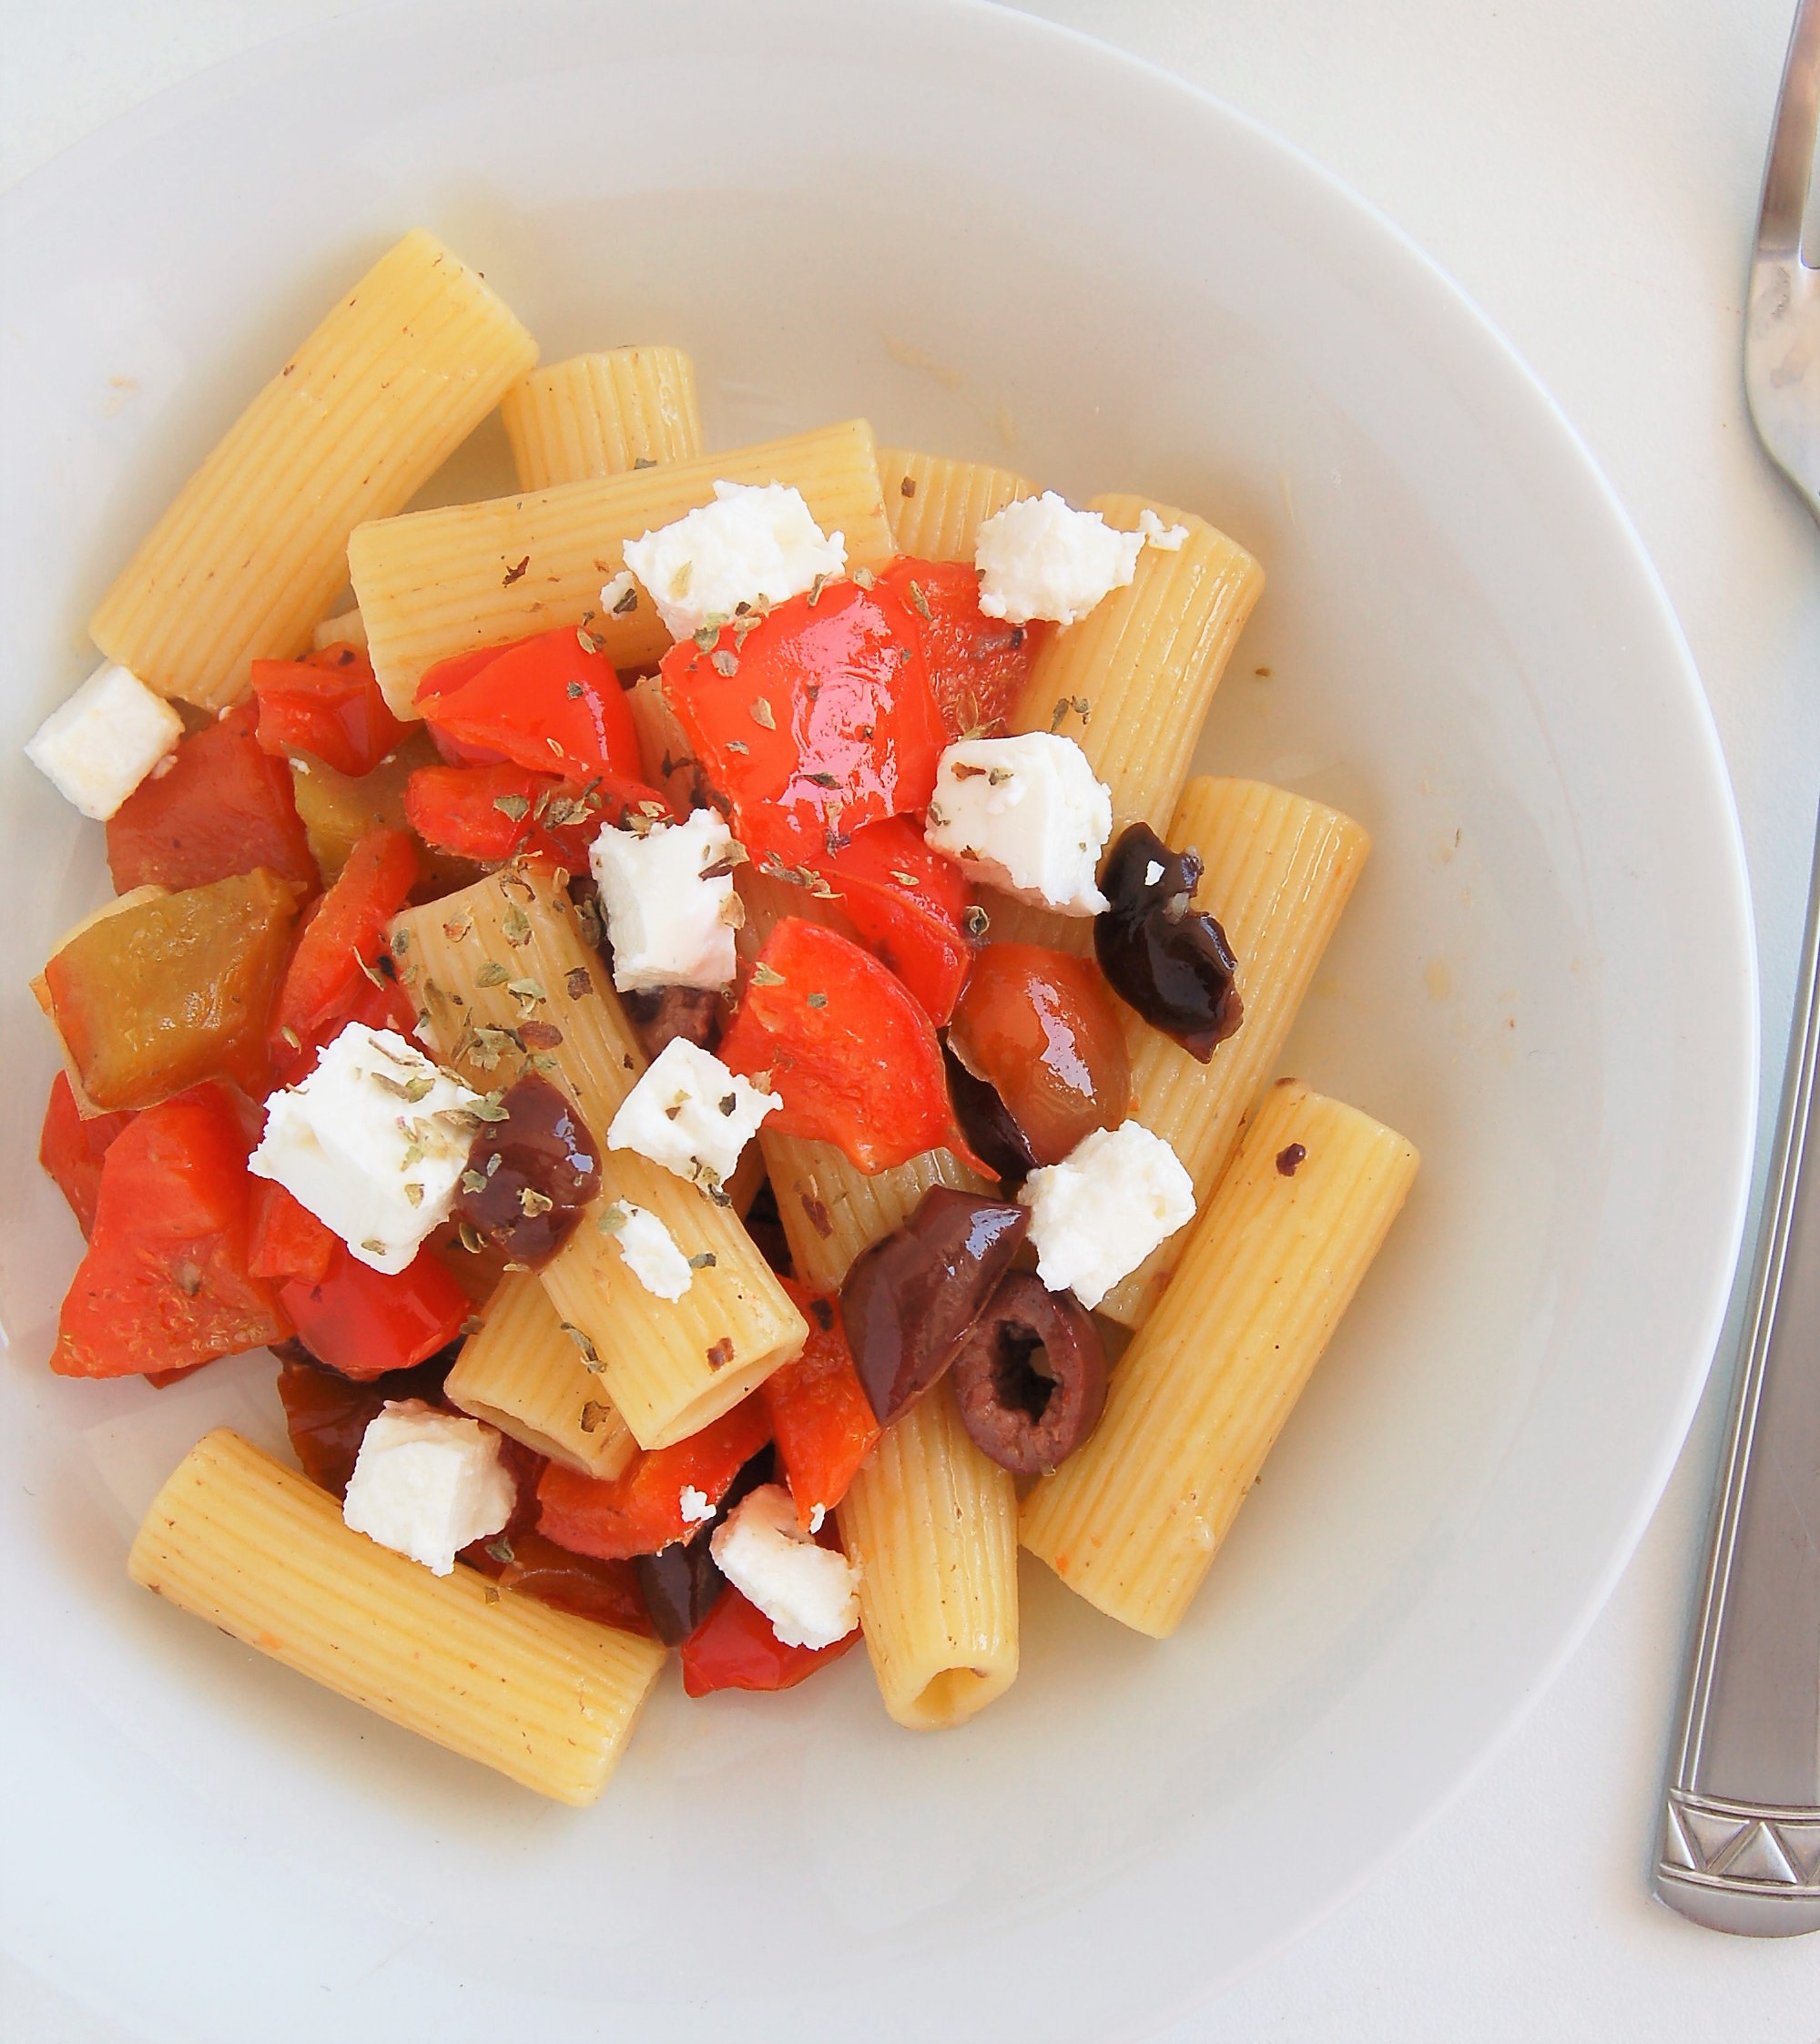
(1741, 1833)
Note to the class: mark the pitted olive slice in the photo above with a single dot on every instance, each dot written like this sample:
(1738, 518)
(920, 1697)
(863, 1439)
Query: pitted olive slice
(1030, 1377)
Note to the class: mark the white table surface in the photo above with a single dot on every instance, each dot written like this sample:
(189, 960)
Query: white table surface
(1588, 170)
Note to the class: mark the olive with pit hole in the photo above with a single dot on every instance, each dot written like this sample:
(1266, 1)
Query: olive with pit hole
(1031, 1376)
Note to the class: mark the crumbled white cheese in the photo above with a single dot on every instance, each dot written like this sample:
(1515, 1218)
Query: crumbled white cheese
(1025, 815)
(1166, 539)
(373, 1141)
(103, 742)
(668, 925)
(816, 1516)
(1098, 1214)
(753, 544)
(694, 1506)
(650, 1250)
(619, 595)
(1039, 557)
(809, 1593)
(691, 1114)
(427, 1483)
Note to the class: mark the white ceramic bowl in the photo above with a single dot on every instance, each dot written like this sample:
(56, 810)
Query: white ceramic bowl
(993, 239)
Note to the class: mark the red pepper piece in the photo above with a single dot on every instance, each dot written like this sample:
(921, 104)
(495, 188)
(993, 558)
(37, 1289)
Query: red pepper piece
(844, 1043)
(365, 1322)
(812, 722)
(640, 1510)
(978, 666)
(910, 904)
(288, 1240)
(342, 949)
(72, 1146)
(224, 807)
(327, 705)
(491, 814)
(547, 703)
(821, 1419)
(166, 1282)
(734, 1647)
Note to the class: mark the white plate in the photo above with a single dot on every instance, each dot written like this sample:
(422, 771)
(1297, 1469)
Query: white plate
(994, 239)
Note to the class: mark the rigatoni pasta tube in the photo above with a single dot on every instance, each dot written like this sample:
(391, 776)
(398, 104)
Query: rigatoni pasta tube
(602, 414)
(485, 965)
(260, 1551)
(1131, 682)
(522, 1373)
(253, 549)
(1278, 870)
(832, 1210)
(937, 505)
(1132, 1519)
(433, 583)
(932, 1525)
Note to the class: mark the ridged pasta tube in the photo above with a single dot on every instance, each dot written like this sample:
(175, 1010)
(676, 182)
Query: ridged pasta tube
(485, 965)
(432, 583)
(257, 1550)
(1278, 871)
(1133, 1517)
(937, 505)
(253, 550)
(522, 1374)
(602, 414)
(932, 1525)
(1131, 682)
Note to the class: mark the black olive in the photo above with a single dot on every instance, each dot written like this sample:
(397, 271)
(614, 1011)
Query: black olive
(908, 1300)
(660, 1014)
(987, 1122)
(1161, 956)
(681, 1584)
(1030, 1377)
(529, 1176)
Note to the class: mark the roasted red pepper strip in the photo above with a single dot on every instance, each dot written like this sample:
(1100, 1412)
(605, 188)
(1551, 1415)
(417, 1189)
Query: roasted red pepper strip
(71, 1147)
(224, 807)
(821, 1419)
(341, 951)
(327, 705)
(640, 1510)
(365, 1322)
(813, 720)
(491, 814)
(839, 1037)
(978, 666)
(910, 904)
(166, 1282)
(548, 703)
(734, 1647)
(288, 1240)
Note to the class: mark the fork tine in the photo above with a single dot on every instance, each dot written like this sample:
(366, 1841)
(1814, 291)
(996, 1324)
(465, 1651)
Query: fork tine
(1791, 150)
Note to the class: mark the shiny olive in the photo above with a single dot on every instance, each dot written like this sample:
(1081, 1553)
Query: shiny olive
(1039, 1027)
(682, 1582)
(908, 1300)
(1161, 956)
(529, 1175)
(660, 1014)
(1030, 1377)
(986, 1123)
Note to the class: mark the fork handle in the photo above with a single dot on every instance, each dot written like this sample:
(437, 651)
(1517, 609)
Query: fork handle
(1740, 1831)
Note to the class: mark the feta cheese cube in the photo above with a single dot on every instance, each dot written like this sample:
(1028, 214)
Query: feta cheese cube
(670, 926)
(809, 1593)
(753, 544)
(649, 1249)
(1039, 557)
(373, 1143)
(427, 1483)
(691, 1114)
(1098, 1214)
(103, 742)
(1025, 815)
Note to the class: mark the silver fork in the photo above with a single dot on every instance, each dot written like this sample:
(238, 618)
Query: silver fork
(1740, 1847)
